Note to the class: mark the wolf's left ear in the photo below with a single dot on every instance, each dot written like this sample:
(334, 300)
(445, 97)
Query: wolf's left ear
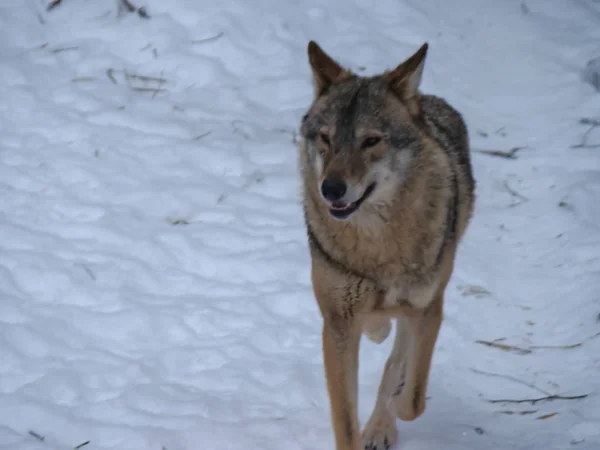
(325, 70)
(406, 78)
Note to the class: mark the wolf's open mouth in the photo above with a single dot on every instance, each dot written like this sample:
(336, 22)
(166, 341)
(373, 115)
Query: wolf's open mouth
(343, 211)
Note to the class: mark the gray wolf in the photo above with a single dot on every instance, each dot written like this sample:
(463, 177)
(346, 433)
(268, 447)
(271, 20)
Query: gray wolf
(388, 192)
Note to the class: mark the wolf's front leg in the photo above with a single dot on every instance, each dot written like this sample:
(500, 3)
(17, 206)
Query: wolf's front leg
(341, 338)
(342, 297)
(410, 401)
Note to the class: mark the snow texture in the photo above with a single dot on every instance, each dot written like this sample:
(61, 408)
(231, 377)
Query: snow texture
(154, 272)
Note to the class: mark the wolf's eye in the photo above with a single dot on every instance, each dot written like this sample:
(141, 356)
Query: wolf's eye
(370, 142)
(325, 138)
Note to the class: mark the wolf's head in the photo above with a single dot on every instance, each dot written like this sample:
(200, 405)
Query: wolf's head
(361, 133)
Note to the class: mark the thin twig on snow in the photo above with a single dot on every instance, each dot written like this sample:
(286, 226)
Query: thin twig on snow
(546, 416)
(515, 194)
(505, 347)
(533, 401)
(131, 77)
(130, 7)
(511, 378)
(531, 348)
(565, 347)
(160, 82)
(593, 123)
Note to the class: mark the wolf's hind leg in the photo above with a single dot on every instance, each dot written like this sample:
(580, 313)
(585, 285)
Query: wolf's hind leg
(380, 433)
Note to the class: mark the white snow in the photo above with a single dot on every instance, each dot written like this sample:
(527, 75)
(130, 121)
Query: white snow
(154, 272)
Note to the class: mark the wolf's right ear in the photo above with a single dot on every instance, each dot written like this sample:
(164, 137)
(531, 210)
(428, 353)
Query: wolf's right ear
(325, 70)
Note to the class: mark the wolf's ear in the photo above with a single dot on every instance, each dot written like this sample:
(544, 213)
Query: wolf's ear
(325, 70)
(406, 78)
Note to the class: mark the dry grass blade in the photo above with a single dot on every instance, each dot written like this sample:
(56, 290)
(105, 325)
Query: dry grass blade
(133, 77)
(128, 5)
(521, 413)
(505, 347)
(197, 138)
(109, 74)
(510, 154)
(515, 194)
(178, 221)
(64, 49)
(147, 78)
(81, 79)
(53, 4)
(83, 444)
(144, 89)
(87, 270)
(546, 416)
(557, 347)
(39, 437)
(209, 39)
(511, 378)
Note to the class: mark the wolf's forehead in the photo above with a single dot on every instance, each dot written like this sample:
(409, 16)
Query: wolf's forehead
(347, 106)
(357, 102)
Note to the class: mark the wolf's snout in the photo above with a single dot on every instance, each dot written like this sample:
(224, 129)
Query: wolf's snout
(333, 189)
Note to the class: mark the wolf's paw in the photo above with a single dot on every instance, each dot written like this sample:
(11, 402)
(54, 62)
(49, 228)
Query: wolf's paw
(377, 329)
(380, 433)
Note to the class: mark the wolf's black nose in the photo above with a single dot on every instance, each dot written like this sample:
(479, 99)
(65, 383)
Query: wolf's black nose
(333, 189)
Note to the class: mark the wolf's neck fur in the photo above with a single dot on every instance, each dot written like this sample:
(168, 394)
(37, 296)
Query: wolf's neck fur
(388, 240)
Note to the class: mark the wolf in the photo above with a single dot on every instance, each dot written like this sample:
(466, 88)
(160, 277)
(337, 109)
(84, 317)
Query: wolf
(388, 192)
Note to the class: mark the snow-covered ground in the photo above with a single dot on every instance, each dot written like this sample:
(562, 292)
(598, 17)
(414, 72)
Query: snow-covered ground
(154, 271)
